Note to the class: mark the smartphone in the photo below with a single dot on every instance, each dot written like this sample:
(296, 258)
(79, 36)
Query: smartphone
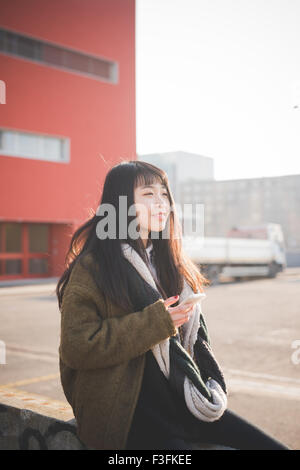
(192, 300)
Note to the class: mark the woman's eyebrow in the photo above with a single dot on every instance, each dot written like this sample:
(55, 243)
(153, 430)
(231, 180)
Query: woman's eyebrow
(152, 186)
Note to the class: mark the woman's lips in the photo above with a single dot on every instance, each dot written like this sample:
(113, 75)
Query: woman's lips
(160, 216)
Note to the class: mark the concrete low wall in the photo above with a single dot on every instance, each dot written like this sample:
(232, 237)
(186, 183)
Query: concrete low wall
(35, 422)
(44, 424)
(22, 429)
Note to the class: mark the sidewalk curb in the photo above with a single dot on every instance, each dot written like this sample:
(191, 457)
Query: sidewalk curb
(28, 289)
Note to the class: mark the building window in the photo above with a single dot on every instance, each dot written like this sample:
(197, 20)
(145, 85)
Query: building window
(24, 250)
(13, 238)
(38, 237)
(12, 266)
(38, 266)
(40, 147)
(29, 48)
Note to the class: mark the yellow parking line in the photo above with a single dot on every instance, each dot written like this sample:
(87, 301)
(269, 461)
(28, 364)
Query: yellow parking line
(41, 378)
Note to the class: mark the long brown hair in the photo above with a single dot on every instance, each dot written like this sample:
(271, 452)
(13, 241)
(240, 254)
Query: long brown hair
(170, 260)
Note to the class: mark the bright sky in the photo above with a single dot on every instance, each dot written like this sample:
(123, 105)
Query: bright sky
(220, 78)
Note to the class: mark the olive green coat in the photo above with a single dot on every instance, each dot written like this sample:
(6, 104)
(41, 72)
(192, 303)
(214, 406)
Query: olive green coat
(102, 358)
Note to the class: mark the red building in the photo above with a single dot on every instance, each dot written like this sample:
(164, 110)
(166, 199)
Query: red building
(68, 70)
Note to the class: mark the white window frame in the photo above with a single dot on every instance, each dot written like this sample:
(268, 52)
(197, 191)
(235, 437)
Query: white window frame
(19, 153)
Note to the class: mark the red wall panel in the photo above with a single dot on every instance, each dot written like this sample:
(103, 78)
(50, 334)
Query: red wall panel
(98, 117)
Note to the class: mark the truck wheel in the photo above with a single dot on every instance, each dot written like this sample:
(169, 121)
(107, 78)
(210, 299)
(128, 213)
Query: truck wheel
(212, 273)
(273, 269)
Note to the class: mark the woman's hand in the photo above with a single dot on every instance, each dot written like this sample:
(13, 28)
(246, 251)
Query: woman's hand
(178, 314)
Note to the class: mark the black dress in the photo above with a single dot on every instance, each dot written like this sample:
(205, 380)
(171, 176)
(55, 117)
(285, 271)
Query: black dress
(160, 415)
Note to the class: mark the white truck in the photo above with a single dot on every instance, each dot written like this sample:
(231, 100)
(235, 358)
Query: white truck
(246, 251)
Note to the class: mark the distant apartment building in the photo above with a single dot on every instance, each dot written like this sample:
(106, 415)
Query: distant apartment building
(248, 202)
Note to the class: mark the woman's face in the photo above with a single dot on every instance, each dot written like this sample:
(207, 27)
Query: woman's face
(152, 206)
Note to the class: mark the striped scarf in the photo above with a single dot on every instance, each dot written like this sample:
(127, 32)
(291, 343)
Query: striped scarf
(190, 367)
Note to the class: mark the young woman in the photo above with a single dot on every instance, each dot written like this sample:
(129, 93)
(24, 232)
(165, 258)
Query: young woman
(136, 365)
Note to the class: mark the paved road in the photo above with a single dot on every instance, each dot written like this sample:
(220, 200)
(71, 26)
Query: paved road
(255, 332)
